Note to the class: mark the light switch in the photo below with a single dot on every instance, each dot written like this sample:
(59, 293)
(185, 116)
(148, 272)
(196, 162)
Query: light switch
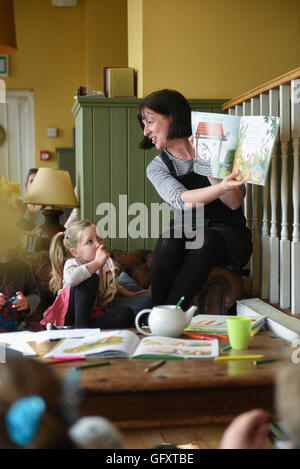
(52, 132)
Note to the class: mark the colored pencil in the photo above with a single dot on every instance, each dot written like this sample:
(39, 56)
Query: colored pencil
(213, 334)
(196, 336)
(239, 357)
(180, 301)
(226, 347)
(64, 360)
(266, 360)
(91, 365)
(165, 357)
(155, 365)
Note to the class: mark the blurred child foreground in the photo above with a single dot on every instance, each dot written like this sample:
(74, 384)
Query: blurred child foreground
(39, 411)
(250, 429)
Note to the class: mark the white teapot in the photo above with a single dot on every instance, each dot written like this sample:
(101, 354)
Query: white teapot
(166, 320)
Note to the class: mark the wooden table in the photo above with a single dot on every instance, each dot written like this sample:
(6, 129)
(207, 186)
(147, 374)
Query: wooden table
(181, 392)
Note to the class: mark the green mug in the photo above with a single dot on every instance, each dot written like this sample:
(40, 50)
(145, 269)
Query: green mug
(239, 329)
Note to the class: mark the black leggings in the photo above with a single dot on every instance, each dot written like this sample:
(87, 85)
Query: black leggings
(81, 302)
(177, 271)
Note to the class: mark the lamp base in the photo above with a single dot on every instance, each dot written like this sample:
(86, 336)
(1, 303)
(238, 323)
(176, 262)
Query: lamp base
(49, 229)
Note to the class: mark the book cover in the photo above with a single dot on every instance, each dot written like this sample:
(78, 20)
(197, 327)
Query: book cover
(210, 323)
(224, 143)
(125, 344)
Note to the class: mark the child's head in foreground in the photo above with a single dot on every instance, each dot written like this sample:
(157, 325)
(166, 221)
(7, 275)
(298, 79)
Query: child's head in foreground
(287, 400)
(38, 410)
(30, 406)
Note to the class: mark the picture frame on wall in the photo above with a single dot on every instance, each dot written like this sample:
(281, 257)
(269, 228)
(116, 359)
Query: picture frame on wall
(4, 66)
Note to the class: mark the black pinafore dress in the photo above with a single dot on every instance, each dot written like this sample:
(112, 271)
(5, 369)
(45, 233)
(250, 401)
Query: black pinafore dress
(230, 224)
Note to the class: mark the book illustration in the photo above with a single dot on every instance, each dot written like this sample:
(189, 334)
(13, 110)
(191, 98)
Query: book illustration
(254, 148)
(215, 139)
(225, 143)
(177, 347)
(102, 342)
(216, 323)
(124, 343)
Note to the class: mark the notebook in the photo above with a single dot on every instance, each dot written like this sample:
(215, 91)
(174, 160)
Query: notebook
(210, 323)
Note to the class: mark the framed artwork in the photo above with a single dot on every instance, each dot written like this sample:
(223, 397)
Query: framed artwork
(4, 71)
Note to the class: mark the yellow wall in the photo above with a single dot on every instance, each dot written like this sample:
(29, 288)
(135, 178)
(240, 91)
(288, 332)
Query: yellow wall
(217, 49)
(135, 40)
(60, 49)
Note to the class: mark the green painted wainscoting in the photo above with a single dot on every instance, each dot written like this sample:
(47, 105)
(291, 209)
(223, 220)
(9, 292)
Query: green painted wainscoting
(109, 164)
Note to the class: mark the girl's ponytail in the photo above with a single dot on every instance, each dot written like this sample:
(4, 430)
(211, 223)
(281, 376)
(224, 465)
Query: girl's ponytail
(58, 256)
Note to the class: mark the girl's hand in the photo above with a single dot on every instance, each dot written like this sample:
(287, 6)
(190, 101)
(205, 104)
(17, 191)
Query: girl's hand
(2, 300)
(21, 304)
(229, 182)
(101, 255)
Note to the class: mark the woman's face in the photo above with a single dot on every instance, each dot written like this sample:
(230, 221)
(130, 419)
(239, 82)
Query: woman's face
(156, 127)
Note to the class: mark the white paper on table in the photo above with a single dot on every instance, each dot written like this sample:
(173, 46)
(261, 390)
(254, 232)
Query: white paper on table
(23, 347)
(43, 336)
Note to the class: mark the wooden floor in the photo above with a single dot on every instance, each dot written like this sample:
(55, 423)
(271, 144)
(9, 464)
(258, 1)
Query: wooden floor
(194, 437)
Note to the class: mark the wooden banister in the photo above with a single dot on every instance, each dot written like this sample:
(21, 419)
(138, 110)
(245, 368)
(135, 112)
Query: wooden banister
(285, 78)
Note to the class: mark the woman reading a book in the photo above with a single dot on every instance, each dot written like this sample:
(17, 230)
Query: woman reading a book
(179, 267)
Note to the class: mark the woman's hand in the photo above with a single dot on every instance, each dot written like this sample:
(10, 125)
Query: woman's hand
(125, 292)
(247, 431)
(21, 304)
(229, 182)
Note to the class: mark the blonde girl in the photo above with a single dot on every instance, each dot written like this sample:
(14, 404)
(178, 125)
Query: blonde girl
(86, 279)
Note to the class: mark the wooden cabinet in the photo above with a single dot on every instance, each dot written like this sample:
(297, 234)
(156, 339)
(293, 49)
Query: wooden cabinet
(110, 168)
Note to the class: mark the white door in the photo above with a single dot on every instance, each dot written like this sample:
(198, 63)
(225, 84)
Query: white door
(17, 152)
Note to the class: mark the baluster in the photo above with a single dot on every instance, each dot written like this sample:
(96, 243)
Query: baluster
(274, 239)
(285, 245)
(265, 231)
(245, 111)
(255, 259)
(231, 111)
(238, 110)
(295, 252)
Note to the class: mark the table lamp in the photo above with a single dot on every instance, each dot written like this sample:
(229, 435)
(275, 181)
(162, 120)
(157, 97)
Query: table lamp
(51, 187)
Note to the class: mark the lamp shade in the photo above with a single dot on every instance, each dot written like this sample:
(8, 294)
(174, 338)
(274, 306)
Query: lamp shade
(8, 44)
(51, 187)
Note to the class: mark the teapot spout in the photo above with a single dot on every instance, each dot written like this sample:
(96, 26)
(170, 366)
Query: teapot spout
(189, 314)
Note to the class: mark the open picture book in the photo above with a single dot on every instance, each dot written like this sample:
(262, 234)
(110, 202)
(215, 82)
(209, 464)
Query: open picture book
(224, 143)
(124, 343)
(210, 323)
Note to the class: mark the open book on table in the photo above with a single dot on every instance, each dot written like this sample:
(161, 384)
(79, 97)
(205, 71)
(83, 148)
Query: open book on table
(209, 323)
(124, 343)
(224, 143)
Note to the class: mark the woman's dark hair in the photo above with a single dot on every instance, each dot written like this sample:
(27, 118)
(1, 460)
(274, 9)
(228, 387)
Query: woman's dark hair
(169, 103)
